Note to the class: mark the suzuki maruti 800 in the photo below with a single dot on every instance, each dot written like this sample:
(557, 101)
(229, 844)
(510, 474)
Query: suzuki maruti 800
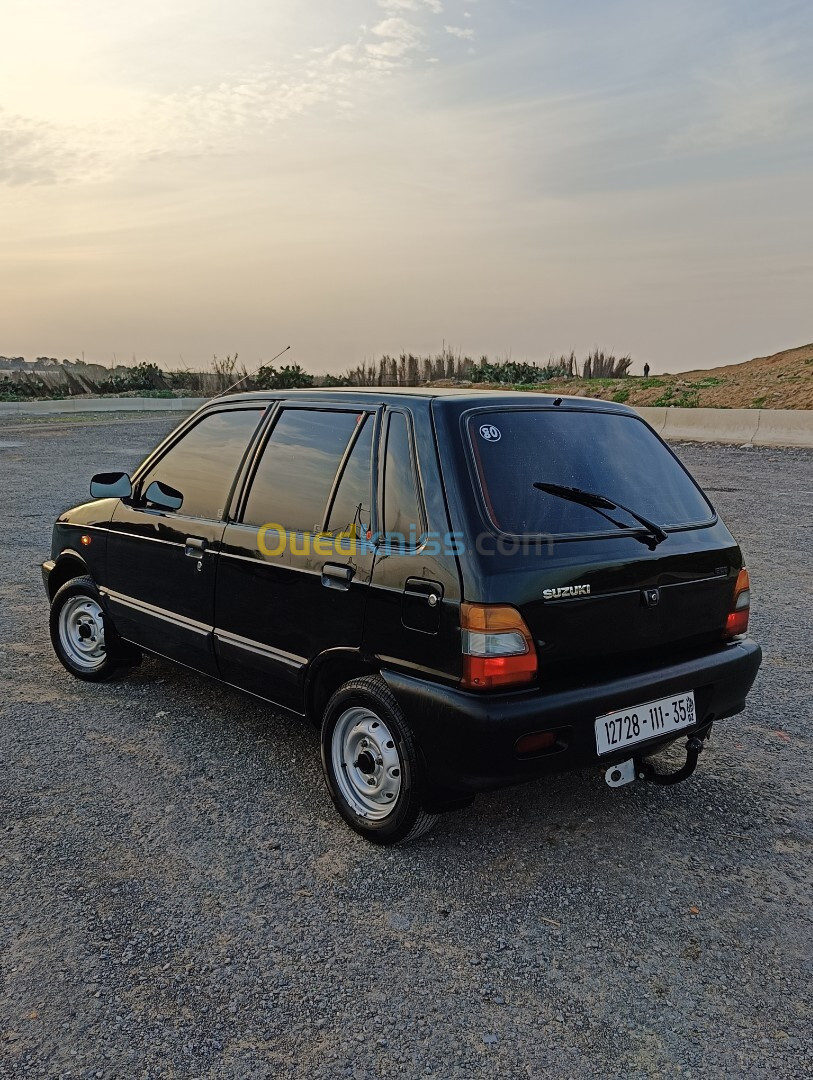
(462, 590)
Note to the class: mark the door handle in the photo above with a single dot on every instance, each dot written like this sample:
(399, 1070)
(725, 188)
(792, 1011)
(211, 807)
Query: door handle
(335, 576)
(194, 547)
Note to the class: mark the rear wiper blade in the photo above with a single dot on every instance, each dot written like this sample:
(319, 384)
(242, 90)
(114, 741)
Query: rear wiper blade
(654, 533)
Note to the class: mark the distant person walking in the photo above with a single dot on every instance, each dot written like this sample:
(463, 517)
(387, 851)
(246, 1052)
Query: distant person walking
(646, 371)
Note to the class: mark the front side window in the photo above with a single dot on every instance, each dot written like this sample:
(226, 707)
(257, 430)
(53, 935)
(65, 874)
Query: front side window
(295, 476)
(608, 454)
(402, 512)
(202, 465)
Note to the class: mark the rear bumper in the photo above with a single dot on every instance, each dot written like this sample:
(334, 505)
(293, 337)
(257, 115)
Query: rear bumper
(468, 740)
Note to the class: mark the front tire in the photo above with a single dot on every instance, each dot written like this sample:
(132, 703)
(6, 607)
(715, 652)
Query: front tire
(84, 639)
(371, 765)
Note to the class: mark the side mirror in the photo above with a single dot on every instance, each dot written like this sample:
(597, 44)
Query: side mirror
(163, 496)
(110, 485)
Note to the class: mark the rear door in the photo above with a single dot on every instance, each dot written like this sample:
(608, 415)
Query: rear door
(588, 583)
(295, 568)
(161, 564)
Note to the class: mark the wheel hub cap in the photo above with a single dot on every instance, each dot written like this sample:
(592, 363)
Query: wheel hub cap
(81, 632)
(366, 763)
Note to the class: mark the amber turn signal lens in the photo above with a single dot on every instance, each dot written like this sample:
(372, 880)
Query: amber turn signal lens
(737, 621)
(498, 650)
(85, 540)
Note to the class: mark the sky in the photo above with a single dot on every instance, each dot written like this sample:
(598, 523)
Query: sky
(188, 178)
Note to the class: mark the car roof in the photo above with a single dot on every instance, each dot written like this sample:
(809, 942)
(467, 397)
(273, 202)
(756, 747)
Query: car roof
(391, 395)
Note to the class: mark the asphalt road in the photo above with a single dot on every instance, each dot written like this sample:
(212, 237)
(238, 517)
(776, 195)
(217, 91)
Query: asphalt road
(179, 899)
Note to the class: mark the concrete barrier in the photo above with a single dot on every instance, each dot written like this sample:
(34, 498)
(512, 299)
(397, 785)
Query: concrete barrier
(784, 427)
(752, 427)
(656, 418)
(711, 425)
(88, 405)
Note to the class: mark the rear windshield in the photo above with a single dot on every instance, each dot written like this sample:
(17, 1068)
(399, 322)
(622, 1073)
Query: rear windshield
(605, 453)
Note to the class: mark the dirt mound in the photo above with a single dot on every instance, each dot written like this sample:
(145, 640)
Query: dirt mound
(781, 381)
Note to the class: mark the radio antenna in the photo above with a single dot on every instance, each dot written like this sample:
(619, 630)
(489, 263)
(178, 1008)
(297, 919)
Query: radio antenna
(248, 374)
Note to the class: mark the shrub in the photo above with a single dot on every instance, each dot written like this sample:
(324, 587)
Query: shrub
(678, 399)
(288, 377)
(601, 365)
(332, 380)
(141, 377)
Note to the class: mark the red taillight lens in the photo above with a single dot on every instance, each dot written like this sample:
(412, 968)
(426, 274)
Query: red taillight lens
(536, 743)
(737, 621)
(498, 649)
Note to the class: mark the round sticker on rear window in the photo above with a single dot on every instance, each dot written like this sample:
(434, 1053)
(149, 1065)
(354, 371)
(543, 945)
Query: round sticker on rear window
(490, 433)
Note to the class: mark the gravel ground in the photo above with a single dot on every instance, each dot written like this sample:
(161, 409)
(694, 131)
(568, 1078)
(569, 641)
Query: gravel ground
(179, 898)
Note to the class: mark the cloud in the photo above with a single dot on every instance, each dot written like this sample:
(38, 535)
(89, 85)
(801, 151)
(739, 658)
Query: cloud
(186, 112)
(38, 152)
(213, 119)
(463, 32)
(398, 37)
(746, 100)
(434, 6)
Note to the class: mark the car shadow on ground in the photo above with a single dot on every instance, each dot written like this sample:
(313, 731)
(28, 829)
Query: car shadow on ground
(545, 824)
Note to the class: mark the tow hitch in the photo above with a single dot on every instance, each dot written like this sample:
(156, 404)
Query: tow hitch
(626, 771)
(694, 748)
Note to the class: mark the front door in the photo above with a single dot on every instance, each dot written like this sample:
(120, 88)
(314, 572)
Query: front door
(295, 567)
(161, 564)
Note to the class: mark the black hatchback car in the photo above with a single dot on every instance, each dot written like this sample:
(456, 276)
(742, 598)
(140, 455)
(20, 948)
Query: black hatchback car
(463, 590)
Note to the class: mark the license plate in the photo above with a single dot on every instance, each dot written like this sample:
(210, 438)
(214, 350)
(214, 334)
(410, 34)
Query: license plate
(617, 730)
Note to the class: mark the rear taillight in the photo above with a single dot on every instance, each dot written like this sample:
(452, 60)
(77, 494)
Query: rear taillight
(737, 621)
(498, 649)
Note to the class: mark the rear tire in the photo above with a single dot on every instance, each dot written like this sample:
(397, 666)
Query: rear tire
(83, 636)
(371, 765)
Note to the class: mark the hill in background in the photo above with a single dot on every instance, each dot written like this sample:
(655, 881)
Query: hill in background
(781, 381)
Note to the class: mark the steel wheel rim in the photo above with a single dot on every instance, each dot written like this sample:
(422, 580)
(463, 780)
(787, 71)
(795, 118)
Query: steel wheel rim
(366, 763)
(81, 632)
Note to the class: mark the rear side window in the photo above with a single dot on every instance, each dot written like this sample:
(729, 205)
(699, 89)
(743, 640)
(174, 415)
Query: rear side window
(295, 476)
(203, 463)
(350, 512)
(402, 513)
(605, 453)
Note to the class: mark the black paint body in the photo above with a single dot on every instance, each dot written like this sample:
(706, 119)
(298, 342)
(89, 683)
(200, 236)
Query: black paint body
(283, 628)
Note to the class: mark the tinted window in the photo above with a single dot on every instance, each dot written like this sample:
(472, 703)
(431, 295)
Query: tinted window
(204, 463)
(402, 515)
(299, 464)
(605, 453)
(350, 513)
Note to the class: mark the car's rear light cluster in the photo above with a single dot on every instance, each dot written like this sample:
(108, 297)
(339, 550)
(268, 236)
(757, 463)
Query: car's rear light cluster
(498, 650)
(737, 621)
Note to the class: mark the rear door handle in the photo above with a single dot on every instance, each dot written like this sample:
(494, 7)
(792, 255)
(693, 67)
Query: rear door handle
(335, 576)
(194, 547)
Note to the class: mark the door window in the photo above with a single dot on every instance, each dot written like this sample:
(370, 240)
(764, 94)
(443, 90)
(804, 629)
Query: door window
(203, 463)
(402, 513)
(295, 476)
